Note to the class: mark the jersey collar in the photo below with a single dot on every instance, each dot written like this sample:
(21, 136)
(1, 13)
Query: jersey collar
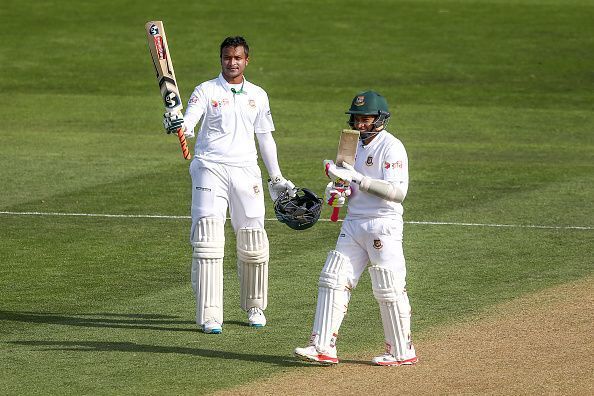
(228, 87)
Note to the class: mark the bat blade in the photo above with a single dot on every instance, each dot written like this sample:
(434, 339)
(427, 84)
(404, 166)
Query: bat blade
(159, 50)
(347, 147)
(347, 151)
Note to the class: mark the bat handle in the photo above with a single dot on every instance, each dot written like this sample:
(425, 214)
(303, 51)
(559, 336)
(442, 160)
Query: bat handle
(334, 217)
(184, 144)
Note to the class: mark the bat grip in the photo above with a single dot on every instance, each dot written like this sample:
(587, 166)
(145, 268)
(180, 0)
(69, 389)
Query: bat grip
(334, 216)
(184, 144)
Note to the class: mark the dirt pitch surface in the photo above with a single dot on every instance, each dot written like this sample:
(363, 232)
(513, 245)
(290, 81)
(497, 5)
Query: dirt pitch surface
(540, 344)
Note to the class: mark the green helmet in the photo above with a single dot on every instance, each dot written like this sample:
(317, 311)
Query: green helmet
(370, 103)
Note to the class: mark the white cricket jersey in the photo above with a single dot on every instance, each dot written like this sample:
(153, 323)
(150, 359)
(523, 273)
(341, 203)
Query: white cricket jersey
(229, 121)
(384, 158)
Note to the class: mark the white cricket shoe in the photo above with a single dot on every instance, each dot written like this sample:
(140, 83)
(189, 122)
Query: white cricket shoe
(389, 360)
(212, 327)
(256, 317)
(312, 354)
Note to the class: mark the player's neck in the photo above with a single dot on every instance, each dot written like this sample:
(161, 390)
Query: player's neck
(234, 80)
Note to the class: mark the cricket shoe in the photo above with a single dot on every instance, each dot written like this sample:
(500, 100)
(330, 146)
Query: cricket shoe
(256, 317)
(389, 360)
(312, 354)
(212, 327)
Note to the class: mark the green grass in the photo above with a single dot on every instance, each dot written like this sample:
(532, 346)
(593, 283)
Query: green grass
(493, 100)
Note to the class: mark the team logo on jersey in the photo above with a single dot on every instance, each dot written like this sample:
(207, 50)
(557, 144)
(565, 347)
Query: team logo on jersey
(360, 101)
(369, 161)
(256, 189)
(377, 244)
(252, 103)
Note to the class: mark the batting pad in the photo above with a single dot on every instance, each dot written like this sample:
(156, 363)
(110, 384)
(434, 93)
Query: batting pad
(333, 300)
(395, 313)
(208, 244)
(252, 267)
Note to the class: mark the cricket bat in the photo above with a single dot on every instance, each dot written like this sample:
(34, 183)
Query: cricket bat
(347, 150)
(157, 43)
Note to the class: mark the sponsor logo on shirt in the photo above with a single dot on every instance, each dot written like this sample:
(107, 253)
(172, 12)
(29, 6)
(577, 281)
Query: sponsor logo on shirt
(369, 161)
(256, 189)
(394, 165)
(252, 103)
(214, 103)
(203, 188)
(193, 99)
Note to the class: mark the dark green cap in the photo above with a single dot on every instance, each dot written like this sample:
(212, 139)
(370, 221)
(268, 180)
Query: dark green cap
(368, 103)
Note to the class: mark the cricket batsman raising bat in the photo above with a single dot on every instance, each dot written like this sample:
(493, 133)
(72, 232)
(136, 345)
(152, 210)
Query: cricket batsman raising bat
(159, 50)
(338, 191)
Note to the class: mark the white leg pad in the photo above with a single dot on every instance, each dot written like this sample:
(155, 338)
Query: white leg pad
(333, 299)
(208, 250)
(395, 312)
(252, 267)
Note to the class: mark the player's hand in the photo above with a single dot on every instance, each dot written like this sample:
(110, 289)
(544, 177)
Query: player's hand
(278, 185)
(172, 122)
(338, 173)
(355, 176)
(336, 196)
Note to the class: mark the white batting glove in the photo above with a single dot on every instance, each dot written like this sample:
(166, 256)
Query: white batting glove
(278, 185)
(173, 121)
(355, 176)
(338, 173)
(336, 196)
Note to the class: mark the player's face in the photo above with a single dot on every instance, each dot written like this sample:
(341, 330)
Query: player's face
(233, 63)
(363, 123)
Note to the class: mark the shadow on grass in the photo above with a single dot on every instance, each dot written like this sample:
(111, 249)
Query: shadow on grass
(99, 346)
(111, 320)
(138, 321)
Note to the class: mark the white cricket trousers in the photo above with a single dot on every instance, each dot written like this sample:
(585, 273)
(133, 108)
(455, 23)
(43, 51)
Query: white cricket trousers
(377, 241)
(217, 187)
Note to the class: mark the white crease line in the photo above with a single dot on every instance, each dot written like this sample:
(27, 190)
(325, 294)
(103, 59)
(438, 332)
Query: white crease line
(274, 219)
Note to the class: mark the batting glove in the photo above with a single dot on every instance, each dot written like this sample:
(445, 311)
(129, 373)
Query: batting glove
(172, 122)
(278, 185)
(336, 196)
(355, 176)
(338, 173)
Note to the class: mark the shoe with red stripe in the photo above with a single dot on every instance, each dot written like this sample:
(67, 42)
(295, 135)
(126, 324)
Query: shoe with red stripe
(389, 360)
(311, 354)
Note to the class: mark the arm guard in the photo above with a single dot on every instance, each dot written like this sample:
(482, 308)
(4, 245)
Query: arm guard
(383, 189)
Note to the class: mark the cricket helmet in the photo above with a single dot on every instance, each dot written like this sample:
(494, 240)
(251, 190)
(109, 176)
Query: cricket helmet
(299, 212)
(370, 103)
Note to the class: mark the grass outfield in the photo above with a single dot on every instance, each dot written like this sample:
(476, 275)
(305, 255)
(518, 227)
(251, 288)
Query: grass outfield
(493, 100)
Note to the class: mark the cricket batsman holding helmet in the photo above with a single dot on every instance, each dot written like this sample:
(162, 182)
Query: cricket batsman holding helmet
(371, 236)
(225, 176)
